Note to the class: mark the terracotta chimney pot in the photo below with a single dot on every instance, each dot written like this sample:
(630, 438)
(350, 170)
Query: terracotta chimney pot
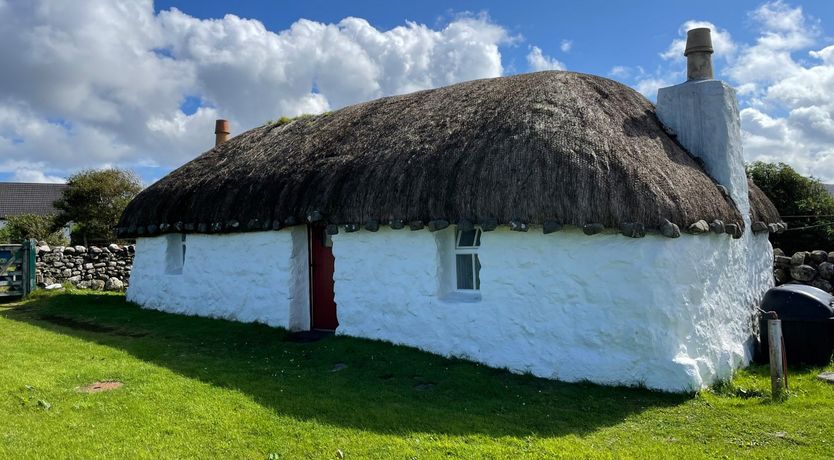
(221, 132)
(698, 54)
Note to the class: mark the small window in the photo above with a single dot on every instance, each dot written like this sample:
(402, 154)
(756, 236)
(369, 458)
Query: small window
(467, 264)
(175, 253)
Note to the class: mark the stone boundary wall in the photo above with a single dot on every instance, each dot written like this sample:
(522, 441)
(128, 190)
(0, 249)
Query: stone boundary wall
(814, 268)
(102, 268)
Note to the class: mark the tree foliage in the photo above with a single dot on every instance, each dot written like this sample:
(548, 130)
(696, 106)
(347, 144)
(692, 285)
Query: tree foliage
(94, 201)
(797, 195)
(26, 226)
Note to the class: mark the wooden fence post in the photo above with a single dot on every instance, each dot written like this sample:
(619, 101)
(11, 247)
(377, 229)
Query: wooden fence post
(778, 364)
(24, 268)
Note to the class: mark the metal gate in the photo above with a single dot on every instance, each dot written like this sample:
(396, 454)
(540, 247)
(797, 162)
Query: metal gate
(17, 269)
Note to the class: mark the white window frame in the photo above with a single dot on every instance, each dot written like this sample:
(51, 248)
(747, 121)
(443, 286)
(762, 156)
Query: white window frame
(175, 253)
(466, 250)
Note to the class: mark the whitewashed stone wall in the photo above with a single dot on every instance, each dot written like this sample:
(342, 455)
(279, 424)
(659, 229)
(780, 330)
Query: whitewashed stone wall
(249, 277)
(670, 314)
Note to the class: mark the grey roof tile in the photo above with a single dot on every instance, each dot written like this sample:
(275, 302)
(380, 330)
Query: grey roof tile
(23, 198)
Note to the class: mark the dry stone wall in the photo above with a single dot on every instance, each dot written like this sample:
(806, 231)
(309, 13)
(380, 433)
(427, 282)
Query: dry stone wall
(814, 268)
(102, 268)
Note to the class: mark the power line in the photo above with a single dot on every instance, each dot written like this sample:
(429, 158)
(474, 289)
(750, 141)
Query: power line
(810, 226)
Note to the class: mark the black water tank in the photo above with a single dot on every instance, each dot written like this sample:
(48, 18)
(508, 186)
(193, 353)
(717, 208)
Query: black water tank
(807, 315)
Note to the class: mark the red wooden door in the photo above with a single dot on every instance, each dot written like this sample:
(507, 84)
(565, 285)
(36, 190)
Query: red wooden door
(322, 303)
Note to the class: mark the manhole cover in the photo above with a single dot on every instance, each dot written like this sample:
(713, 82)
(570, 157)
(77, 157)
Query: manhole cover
(827, 377)
(98, 387)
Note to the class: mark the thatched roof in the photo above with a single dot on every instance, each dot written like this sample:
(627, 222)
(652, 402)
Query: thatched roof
(761, 208)
(534, 148)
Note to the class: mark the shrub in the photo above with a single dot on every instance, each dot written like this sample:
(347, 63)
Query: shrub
(25, 226)
(797, 195)
(94, 201)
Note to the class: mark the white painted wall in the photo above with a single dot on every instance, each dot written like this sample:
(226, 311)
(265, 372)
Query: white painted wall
(245, 277)
(671, 314)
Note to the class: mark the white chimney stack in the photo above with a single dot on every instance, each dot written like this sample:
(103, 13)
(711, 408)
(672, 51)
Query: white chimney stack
(703, 114)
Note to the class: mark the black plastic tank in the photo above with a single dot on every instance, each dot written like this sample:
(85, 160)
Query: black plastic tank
(807, 315)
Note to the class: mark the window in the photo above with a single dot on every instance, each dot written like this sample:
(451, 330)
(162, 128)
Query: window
(467, 265)
(175, 253)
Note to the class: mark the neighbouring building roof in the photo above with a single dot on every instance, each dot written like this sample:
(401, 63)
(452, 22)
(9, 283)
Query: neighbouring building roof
(22, 198)
(549, 146)
(830, 188)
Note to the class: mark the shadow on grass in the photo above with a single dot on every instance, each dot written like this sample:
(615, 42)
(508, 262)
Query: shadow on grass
(383, 388)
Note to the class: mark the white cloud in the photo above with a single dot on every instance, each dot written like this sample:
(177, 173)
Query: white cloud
(93, 82)
(784, 27)
(28, 137)
(566, 45)
(805, 86)
(789, 101)
(808, 149)
(783, 31)
(32, 175)
(538, 61)
(620, 71)
(649, 85)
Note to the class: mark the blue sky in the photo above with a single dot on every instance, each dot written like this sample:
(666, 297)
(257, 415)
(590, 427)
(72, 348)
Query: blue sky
(138, 83)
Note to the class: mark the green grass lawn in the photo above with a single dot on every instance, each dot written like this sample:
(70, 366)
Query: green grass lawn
(207, 388)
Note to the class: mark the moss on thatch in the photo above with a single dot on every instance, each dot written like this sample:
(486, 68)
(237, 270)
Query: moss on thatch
(284, 119)
(542, 147)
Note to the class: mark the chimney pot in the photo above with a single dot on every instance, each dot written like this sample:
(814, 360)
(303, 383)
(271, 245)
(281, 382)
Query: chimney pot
(698, 54)
(221, 132)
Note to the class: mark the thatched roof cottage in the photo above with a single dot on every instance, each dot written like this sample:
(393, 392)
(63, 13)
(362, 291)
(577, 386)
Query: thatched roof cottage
(553, 223)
